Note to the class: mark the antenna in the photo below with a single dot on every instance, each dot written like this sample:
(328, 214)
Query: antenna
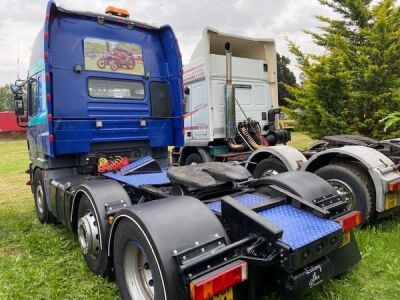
(18, 60)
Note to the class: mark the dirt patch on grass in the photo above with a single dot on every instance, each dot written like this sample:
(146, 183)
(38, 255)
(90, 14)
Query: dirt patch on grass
(14, 252)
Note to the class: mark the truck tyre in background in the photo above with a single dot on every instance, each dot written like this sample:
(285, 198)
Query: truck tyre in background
(354, 186)
(137, 269)
(193, 158)
(269, 166)
(39, 194)
(89, 238)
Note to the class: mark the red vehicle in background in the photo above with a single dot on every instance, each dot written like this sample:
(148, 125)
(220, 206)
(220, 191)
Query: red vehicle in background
(117, 58)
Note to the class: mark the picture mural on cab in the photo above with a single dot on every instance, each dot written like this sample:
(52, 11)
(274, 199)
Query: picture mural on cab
(113, 56)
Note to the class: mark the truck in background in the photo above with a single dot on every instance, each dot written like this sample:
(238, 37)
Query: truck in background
(212, 131)
(98, 135)
(364, 171)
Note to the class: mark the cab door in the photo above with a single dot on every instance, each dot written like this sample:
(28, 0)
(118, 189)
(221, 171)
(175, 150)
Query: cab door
(38, 126)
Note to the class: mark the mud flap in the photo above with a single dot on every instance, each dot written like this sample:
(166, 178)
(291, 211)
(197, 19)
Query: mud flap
(332, 265)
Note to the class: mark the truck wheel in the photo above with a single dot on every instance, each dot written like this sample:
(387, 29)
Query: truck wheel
(269, 166)
(353, 185)
(137, 269)
(193, 159)
(144, 240)
(39, 194)
(88, 229)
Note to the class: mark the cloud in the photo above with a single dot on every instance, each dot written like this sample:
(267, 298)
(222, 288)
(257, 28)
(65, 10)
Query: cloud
(256, 18)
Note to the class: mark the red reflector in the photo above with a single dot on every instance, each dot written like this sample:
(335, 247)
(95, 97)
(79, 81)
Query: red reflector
(48, 97)
(350, 220)
(209, 285)
(394, 186)
(50, 117)
(47, 76)
(51, 138)
(46, 35)
(46, 55)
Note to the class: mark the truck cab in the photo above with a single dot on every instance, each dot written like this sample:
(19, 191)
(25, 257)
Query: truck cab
(97, 86)
(252, 65)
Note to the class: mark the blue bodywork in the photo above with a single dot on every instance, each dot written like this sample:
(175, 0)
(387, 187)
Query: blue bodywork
(300, 227)
(65, 118)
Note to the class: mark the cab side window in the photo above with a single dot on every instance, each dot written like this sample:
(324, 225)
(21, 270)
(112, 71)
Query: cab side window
(32, 98)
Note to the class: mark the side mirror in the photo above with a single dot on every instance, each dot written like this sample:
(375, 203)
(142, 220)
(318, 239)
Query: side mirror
(186, 91)
(19, 105)
(16, 89)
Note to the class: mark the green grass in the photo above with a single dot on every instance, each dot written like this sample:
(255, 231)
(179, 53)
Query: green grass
(44, 261)
(300, 140)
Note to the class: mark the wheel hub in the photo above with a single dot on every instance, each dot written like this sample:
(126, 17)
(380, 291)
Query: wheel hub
(40, 198)
(345, 192)
(269, 172)
(88, 235)
(139, 278)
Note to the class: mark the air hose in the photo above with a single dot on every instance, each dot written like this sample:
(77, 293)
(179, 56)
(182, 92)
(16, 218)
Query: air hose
(116, 164)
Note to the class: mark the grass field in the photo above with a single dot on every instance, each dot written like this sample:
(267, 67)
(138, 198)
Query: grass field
(44, 262)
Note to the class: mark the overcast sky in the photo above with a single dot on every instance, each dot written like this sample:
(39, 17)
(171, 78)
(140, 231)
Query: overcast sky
(22, 19)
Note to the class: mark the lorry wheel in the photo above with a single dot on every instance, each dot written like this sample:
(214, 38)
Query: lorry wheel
(137, 269)
(39, 194)
(88, 229)
(269, 166)
(353, 185)
(193, 159)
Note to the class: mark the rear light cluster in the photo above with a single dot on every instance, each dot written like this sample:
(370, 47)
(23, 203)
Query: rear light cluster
(394, 186)
(350, 220)
(209, 285)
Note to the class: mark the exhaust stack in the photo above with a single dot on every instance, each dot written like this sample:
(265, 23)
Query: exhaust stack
(230, 118)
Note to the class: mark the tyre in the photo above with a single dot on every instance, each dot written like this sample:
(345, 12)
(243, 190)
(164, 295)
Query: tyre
(193, 159)
(269, 166)
(39, 194)
(137, 269)
(101, 63)
(145, 237)
(354, 186)
(89, 229)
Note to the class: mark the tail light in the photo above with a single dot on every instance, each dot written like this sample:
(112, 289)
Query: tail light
(209, 285)
(394, 186)
(350, 220)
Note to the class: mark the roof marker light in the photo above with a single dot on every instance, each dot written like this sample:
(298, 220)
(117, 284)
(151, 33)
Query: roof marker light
(120, 12)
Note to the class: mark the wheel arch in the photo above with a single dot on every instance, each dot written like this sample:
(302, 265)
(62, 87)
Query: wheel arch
(369, 159)
(164, 234)
(99, 193)
(289, 156)
(186, 151)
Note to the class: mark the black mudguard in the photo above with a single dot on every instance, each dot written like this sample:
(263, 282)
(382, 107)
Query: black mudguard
(172, 225)
(303, 184)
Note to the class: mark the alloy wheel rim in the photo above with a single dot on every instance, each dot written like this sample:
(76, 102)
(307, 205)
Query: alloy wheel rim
(138, 274)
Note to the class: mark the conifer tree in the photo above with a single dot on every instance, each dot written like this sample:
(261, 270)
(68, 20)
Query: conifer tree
(355, 83)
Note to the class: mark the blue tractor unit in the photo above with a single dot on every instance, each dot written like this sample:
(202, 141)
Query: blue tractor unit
(104, 102)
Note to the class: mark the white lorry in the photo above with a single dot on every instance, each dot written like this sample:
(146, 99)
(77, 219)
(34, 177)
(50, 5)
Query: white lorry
(229, 125)
(238, 124)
